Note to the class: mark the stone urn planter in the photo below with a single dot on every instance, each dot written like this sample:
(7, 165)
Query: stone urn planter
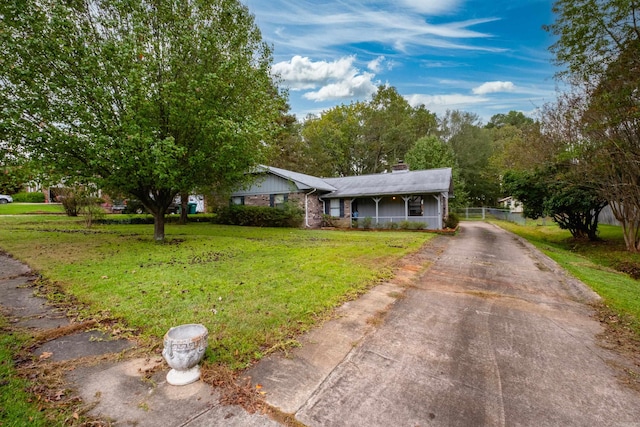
(184, 347)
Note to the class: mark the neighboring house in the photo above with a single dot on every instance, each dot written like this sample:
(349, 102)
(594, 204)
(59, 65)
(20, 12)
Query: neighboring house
(402, 195)
(512, 204)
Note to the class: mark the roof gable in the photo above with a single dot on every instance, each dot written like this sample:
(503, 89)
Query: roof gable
(302, 181)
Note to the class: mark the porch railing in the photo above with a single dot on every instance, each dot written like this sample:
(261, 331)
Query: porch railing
(391, 222)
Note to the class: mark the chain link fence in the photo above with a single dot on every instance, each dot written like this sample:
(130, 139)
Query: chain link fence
(485, 213)
(605, 217)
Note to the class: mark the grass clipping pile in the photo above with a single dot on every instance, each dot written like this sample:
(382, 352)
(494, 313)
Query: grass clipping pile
(242, 392)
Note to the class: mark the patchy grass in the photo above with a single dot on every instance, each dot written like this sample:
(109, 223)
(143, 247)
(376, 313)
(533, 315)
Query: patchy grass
(31, 208)
(606, 266)
(255, 289)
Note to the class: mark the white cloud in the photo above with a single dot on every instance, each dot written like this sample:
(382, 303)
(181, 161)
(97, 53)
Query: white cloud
(302, 73)
(308, 27)
(449, 100)
(337, 79)
(439, 104)
(376, 64)
(493, 87)
(357, 86)
(432, 7)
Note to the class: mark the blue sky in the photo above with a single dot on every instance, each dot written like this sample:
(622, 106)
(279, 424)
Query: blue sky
(485, 57)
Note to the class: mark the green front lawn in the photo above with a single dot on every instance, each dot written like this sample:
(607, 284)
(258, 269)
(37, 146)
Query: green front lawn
(30, 208)
(253, 288)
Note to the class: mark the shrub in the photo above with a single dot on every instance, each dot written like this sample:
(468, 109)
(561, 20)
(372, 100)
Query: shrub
(392, 225)
(452, 220)
(92, 211)
(412, 225)
(24, 197)
(70, 203)
(289, 215)
(418, 226)
(366, 222)
(327, 221)
(79, 199)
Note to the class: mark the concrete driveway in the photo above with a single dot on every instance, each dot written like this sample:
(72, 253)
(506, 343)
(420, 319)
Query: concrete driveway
(492, 334)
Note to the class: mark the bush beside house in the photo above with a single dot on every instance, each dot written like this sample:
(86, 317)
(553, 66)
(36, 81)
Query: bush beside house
(288, 215)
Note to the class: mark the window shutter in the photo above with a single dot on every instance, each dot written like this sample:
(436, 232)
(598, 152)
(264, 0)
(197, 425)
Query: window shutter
(271, 199)
(286, 198)
(327, 207)
(341, 208)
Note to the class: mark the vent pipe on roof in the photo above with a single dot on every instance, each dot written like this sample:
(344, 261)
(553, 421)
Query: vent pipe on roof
(400, 167)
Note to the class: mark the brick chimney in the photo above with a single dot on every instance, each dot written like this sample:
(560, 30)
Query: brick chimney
(400, 167)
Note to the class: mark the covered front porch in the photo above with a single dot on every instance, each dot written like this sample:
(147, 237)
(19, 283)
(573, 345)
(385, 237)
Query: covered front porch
(383, 211)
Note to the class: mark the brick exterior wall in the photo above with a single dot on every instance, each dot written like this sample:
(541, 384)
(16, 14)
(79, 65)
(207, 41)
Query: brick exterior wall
(315, 207)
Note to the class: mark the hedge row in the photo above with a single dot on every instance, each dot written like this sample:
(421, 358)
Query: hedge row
(28, 197)
(288, 215)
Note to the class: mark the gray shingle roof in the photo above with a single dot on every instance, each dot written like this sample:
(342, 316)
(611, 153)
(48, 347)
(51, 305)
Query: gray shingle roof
(302, 181)
(398, 183)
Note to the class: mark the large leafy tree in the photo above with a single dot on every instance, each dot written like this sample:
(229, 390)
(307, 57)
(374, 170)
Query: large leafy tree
(364, 137)
(13, 179)
(598, 43)
(389, 129)
(430, 152)
(512, 118)
(591, 34)
(473, 149)
(14, 172)
(543, 169)
(144, 97)
(334, 142)
(554, 190)
(288, 149)
(611, 147)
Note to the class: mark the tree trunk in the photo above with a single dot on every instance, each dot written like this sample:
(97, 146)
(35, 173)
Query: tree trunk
(158, 227)
(627, 215)
(184, 206)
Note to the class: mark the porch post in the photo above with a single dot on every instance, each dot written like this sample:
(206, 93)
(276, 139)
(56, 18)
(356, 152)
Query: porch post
(445, 207)
(406, 207)
(439, 212)
(377, 200)
(351, 213)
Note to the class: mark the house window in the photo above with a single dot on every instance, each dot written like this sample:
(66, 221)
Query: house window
(415, 206)
(237, 200)
(278, 200)
(334, 208)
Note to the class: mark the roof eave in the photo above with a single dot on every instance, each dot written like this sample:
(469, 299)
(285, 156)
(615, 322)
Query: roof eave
(334, 195)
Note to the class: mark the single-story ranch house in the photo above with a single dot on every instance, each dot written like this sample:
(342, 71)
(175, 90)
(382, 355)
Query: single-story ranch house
(402, 195)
